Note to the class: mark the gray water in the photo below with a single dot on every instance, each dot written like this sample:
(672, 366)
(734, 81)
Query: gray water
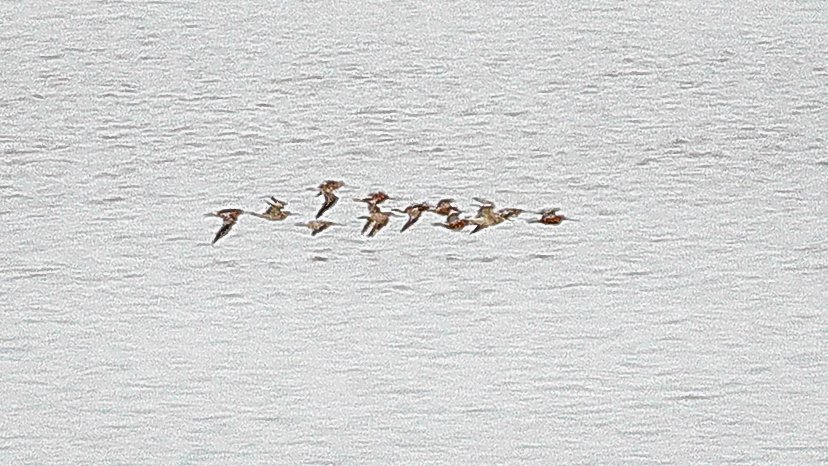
(682, 320)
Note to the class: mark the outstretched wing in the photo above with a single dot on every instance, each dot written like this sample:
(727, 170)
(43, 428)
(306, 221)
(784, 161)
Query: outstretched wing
(330, 201)
(412, 219)
(320, 228)
(272, 210)
(477, 228)
(376, 229)
(367, 225)
(223, 231)
(277, 203)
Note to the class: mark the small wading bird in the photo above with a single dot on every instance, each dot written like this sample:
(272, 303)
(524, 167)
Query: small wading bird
(376, 198)
(510, 212)
(444, 207)
(551, 217)
(414, 212)
(274, 210)
(229, 217)
(454, 222)
(377, 218)
(327, 189)
(486, 216)
(318, 226)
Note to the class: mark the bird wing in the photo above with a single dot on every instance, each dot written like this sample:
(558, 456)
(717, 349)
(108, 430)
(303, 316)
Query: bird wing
(485, 210)
(272, 210)
(225, 228)
(413, 216)
(377, 227)
(411, 221)
(477, 228)
(330, 201)
(277, 203)
(367, 225)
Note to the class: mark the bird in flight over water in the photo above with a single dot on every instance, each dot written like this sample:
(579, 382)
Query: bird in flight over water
(414, 212)
(317, 226)
(327, 189)
(551, 217)
(229, 218)
(275, 210)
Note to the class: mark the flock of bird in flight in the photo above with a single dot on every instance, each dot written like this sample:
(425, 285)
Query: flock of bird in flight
(377, 219)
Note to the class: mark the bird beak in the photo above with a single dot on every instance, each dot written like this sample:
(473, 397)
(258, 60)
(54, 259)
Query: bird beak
(572, 219)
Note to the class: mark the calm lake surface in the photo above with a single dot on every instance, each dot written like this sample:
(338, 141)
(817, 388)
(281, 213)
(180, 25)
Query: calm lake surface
(684, 319)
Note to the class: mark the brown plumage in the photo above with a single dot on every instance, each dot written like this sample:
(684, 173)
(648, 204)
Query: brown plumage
(444, 207)
(551, 217)
(510, 212)
(327, 189)
(229, 218)
(454, 222)
(330, 201)
(486, 216)
(375, 198)
(375, 221)
(414, 212)
(274, 211)
(317, 226)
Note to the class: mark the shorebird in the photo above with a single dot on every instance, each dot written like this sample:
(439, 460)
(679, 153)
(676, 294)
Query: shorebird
(444, 207)
(454, 222)
(377, 218)
(414, 212)
(327, 189)
(375, 198)
(551, 217)
(318, 226)
(229, 217)
(486, 215)
(510, 212)
(274, 210)
(506, 212)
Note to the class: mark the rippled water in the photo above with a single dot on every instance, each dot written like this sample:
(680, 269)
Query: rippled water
(683, 319)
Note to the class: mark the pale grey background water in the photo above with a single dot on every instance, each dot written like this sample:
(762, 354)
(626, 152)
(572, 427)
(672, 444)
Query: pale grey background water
(682, 320)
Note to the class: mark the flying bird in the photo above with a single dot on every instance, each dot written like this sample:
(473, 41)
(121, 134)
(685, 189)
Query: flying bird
(327, 189)
(551, 217)
(376, 220)
(317, 226)
(414, 212)
(444, 207)
(229, 218)
(454, 222)
(275, 210)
